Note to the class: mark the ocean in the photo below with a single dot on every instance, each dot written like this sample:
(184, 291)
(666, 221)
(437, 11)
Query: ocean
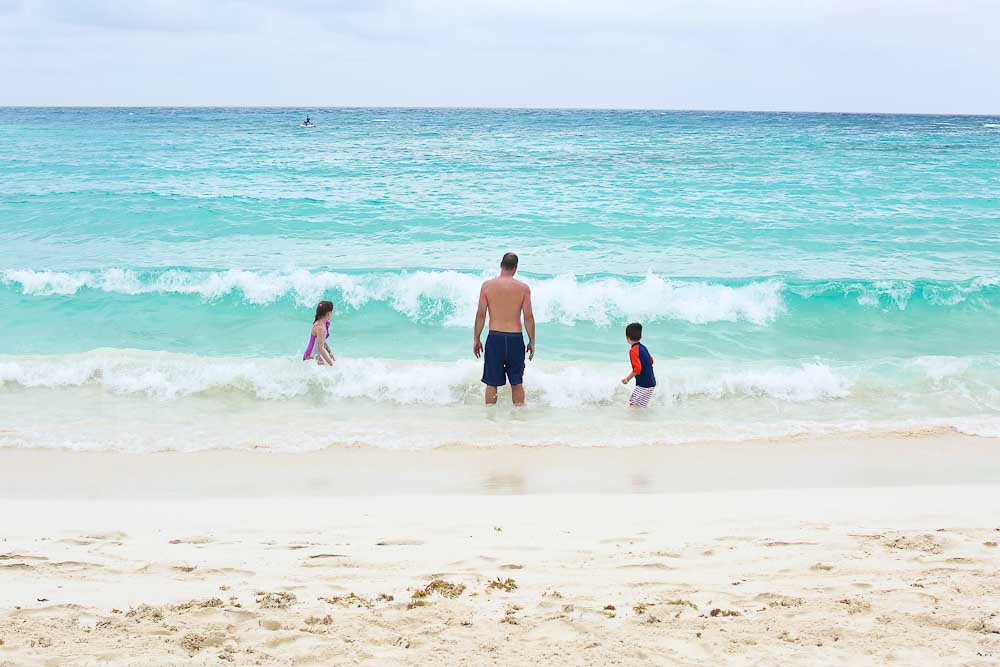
(796, 274)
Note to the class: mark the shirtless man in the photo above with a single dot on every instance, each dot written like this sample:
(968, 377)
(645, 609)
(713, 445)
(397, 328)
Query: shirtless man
(505, 299)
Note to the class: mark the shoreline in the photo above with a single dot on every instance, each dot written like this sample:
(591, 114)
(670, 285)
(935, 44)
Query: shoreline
(828, 462)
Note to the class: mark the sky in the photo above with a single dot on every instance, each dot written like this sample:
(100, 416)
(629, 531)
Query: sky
(913, 56)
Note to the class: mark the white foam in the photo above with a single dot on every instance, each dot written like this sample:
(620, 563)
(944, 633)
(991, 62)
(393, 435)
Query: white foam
(940, 368)
(48, 282)
(168, 376)
(439, 295)
(808, 382)
(149, 401)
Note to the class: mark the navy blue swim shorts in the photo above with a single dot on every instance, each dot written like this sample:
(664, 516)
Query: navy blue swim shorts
(504, 358)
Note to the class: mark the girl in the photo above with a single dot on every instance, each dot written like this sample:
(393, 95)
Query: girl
(318, 348)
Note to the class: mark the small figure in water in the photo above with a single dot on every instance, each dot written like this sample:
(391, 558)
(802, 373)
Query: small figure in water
(308, 121)
(318, 348)
(642, 368)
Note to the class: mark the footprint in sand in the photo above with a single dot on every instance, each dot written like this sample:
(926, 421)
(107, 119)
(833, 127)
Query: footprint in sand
(328, 556)
(281, 641)
(191, 540)
(622, 540)
(13, 556)
(556, 629)
(205, 572)
(76, 565)
(14, 566)
(646, 566)
(112, 536)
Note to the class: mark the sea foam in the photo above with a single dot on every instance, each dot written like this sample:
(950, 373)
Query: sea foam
(167, 376)
(448, 296)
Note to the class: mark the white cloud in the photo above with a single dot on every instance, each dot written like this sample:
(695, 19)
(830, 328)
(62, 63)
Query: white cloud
(769, 54)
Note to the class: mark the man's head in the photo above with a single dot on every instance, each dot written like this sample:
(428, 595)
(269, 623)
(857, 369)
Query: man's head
(633, 332)
(509, 262)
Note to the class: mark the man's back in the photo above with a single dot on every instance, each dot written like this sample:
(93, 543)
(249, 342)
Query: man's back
(504, 301)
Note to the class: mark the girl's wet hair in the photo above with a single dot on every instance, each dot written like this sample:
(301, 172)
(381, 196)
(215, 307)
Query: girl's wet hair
(322, 309)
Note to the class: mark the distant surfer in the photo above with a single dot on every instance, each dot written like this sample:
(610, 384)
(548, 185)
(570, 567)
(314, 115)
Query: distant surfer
(505, 300)
(308, 122)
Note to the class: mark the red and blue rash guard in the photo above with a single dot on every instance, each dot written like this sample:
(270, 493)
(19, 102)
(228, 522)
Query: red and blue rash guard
(642, 366)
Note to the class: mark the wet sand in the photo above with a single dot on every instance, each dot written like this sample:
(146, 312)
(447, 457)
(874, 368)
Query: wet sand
(840, 461)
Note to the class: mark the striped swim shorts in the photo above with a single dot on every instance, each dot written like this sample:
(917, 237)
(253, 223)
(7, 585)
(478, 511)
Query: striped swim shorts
(641, 396)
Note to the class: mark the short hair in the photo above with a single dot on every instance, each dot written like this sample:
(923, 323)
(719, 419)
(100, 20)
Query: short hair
(509, 262)
(634, 331)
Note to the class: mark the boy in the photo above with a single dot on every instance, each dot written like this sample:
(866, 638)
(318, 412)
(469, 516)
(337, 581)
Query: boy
(642, 368)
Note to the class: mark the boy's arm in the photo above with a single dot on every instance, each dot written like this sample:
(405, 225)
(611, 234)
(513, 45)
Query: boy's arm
(633, 357)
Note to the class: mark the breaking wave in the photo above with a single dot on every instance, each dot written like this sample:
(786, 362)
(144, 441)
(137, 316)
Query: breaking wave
(168, 376)
(450, 297)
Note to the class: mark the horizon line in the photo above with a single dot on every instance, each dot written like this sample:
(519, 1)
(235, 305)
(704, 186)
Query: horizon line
(496, 108)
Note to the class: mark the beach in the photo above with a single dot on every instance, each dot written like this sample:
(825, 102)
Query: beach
(815, 481)
(881, 551)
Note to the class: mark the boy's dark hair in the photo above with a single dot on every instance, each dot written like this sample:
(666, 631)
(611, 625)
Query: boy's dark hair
(634, 331)
(509, 262)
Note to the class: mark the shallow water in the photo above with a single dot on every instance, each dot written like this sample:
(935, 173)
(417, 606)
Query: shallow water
(796, 273)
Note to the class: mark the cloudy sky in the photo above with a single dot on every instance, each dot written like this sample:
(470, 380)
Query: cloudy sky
(821, 55)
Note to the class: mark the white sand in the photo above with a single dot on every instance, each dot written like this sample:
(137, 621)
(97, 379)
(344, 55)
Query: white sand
(799, 575)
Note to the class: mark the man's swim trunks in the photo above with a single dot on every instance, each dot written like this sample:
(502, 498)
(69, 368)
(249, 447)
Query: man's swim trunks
(504, 358)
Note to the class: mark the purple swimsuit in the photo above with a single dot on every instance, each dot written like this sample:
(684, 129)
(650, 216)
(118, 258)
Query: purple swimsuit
(312, 343)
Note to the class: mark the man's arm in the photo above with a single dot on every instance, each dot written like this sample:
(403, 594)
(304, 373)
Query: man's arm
(529, 322)
(477, 345)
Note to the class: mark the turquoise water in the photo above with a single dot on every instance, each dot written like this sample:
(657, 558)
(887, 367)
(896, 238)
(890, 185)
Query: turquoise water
(795, 272)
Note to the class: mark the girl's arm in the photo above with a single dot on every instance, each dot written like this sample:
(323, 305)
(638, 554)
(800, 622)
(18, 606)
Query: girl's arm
(628, 378)
(329, 351)
(324, 350)
(325, 355)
